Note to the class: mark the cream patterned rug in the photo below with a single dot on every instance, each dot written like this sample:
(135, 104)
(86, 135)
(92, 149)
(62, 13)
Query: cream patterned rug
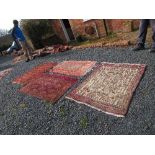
(109, 88)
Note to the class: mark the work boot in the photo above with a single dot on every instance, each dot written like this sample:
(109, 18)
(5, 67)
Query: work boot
(139, 47)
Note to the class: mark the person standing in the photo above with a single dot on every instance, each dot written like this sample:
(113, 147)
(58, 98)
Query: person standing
(144, 23)
(19, 38)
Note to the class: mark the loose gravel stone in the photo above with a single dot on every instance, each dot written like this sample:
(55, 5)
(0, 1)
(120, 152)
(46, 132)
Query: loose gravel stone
(22, 114)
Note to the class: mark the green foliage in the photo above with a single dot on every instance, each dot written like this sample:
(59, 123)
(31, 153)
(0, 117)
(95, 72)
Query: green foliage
(23, 105)
(36, 30)
(62, 111)
(111, 35)
(84, 122)
(4, 47)
(81, 38)
(5, 42)
(2, 114)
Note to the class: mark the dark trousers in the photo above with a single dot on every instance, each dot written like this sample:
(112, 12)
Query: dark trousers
(144, 23)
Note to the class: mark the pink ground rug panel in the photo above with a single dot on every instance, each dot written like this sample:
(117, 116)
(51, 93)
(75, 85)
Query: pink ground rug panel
(48, 87)
(109, 87)
(74, 68)
(5, 72)
(34, 73)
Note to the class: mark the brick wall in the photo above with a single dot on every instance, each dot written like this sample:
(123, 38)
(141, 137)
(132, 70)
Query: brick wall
(118, 25)
(135, 24)
(78, 26)
(58, 29)
(122, 25)
(113, 25)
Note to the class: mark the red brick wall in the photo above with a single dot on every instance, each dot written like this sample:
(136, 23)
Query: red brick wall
(122, 25)
(135, 24)
(118, 25)
(78, 26)
(58, 29)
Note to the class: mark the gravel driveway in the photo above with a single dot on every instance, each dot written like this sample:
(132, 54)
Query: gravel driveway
(22, 114)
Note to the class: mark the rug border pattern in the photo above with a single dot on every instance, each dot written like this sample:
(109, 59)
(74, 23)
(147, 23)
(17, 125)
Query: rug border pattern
(104, 107)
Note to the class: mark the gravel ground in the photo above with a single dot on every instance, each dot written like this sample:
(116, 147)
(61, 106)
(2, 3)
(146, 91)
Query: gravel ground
(21, 114)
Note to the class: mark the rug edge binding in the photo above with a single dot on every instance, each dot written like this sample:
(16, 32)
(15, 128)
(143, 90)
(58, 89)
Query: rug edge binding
(112, 114)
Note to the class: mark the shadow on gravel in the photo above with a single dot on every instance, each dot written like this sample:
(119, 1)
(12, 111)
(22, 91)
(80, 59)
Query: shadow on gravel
(5, 67)
(4, 59)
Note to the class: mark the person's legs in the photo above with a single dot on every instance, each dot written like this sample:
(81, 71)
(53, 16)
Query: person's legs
(26, 50)
(17, 44)
(152, 22)
(29, 50)
(144, 23)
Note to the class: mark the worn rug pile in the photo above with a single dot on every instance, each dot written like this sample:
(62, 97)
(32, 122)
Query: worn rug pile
(48, 87)
(109, 88)
(34, 73)
(74, 68)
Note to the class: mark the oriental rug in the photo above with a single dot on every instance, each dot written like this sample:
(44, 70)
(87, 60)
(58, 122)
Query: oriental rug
(74, 68)
(48, 87)
(109, 88)
(5, 72)
(18, 59)
(34, 73)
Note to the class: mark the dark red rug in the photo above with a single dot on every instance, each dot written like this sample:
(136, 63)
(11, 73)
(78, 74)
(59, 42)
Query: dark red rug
(109, 88)
(48, 87)
(34, 73)
(74, 68)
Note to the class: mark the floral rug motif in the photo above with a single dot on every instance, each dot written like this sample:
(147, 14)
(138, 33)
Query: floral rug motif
(5, 72)
(34, 73)
(109, 88)
(74, 68)
(48, 87)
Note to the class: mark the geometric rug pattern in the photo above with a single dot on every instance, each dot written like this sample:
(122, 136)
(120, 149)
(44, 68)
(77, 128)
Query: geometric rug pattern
(48, 87)
(109, 87)
(74, 68)
(5, 72)
(34, 73)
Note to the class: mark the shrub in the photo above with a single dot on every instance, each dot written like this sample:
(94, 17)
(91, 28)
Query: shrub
(81, 38)
(4, 47)
(36, 30)
(5, 42)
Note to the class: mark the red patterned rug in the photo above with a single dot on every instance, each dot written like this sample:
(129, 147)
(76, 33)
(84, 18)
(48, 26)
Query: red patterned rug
(74, 68)
(5, 72)
(48, 87)
(109, 88)
(34, 73)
